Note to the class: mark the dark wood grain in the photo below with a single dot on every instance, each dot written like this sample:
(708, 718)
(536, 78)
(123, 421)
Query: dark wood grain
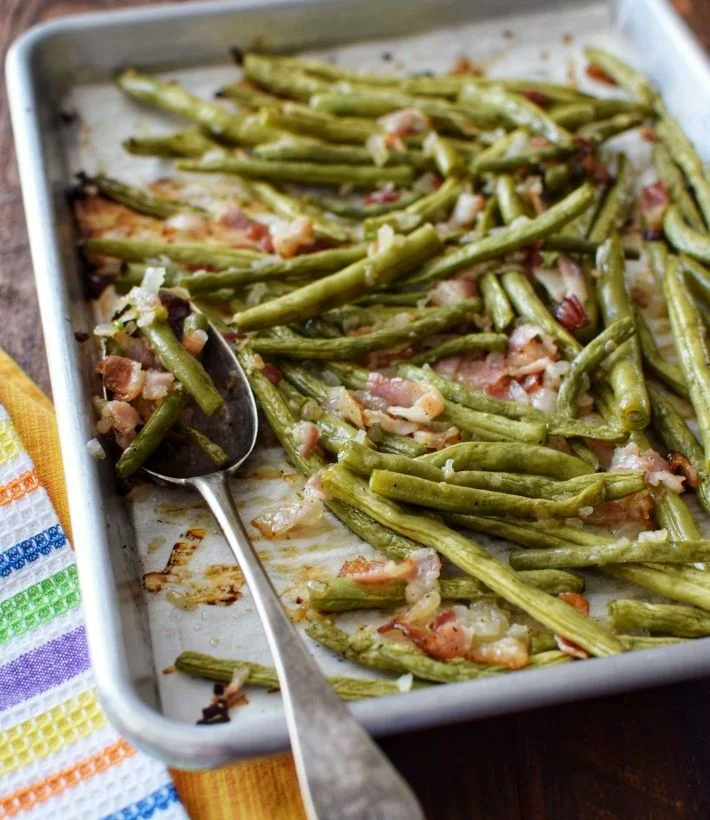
(641, 756)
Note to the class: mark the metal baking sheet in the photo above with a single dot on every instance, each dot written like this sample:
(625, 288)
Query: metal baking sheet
(135, 634)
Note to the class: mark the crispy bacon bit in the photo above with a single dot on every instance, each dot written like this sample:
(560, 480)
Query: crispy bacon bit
(434, 440)
(272, 373)
(576, 600)
(418, 402)
(255, 233)
(187, 222)
(532, 256)
(289, 237)
(680, 464)
(656, 469)
(637, 508)
(118, 415)
(573, 278)
(467, 208)
(306, 435)
(570, 648)
(344, 405)
(507, 651)
(451, 291)
(447, 641)
(157, 384)
(303, 510)
(597, 73)
(420, 568)
(358, 566)
(653, 202)
(405, 122)
(570, 313)
(536, 97)
(580, 603)
(122, 376)
(480, 632)
(595, 169)
(194, 341)
(400, 427)
(381, 197)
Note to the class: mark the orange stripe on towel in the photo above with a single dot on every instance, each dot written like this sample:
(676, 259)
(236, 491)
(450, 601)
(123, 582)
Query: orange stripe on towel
(22, 485)
(41, 791)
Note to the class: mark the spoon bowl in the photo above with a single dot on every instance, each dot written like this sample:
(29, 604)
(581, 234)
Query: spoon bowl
(342, 773)
(233, 428)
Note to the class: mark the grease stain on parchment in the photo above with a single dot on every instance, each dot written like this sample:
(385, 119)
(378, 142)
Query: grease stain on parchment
(219, 584)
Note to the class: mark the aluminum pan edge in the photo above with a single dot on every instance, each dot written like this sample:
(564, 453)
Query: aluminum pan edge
(183, 744)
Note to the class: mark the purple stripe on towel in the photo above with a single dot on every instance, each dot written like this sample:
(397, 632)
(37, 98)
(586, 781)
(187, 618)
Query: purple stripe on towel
(43, 668)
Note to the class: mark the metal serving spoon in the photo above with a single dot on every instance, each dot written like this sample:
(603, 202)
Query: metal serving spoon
(342, 773)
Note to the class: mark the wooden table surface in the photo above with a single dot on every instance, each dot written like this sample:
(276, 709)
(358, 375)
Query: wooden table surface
(641, 756)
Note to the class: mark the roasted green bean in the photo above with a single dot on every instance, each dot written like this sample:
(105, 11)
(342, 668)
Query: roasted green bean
(625, 372)
(689, 336)
(377, 270)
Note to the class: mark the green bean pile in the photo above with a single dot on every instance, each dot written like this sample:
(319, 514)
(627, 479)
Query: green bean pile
(447, 234)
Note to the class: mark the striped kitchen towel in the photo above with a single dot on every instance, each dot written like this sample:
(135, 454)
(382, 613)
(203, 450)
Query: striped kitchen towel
(59, 758)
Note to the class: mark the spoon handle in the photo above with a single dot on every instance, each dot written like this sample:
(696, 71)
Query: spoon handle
(342, 773)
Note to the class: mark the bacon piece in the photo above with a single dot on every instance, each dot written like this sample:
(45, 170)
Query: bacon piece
(680, 464)
(507, 651)
(576, 600)
(597, 73)
(595, 168)
(400, 427)
(570, 648)
(122, 376)
(656, 469)
(289, 237)
(357, 566)
(536, 97)
(194, 341)
(532, 257)
(381, 197)
(344, 405)
(449, 639)
(418, 402)
(653, 202)
(451, 291)
(157, 384)
(186, 222)
(272, 373)
(254, 233)
(571, 314)
(637, 507)
(117, 415)
(405, 122)
(466, 209)
(306, 435)
(421, 566)
(303, 510)
(434, 440)
(580, 603)
(572, 277)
